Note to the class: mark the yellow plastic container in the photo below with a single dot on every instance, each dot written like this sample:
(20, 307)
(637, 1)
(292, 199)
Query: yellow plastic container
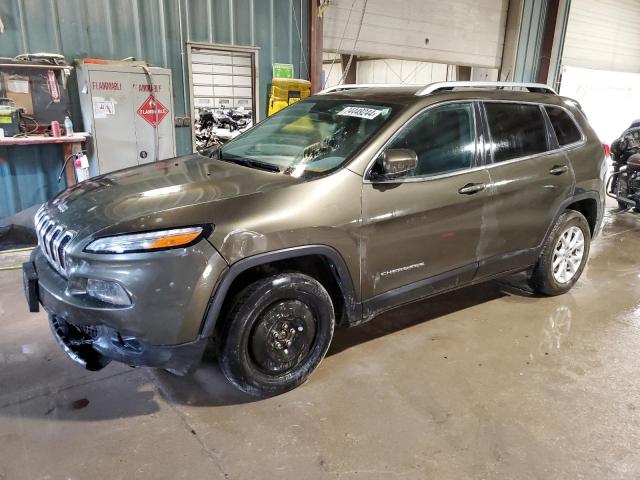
(285, 91)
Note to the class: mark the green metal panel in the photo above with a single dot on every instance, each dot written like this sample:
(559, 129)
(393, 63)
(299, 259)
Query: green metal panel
(28, 176)
(561, 33)
(157, 31)
(530, 40)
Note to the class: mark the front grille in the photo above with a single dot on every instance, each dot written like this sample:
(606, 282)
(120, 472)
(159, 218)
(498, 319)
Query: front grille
(53, 238)
(90, 331)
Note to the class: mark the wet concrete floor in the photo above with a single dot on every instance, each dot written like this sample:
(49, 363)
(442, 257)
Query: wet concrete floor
(487, 382)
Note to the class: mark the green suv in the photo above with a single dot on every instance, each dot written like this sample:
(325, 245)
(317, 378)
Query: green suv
(340, 207)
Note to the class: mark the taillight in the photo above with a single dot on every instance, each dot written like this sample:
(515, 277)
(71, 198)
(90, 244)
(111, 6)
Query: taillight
(607, 149)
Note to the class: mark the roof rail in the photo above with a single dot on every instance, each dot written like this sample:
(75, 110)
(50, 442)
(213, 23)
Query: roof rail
(351, 86)
(442, 86)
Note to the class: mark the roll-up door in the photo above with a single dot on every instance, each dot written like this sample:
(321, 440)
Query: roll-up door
(603, 35)
(455, 32)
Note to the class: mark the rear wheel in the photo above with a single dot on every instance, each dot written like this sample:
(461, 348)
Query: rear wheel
(276, 333)
(564, 255)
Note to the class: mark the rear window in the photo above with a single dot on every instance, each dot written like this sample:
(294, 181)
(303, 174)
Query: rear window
(517, 130)
(567, 131)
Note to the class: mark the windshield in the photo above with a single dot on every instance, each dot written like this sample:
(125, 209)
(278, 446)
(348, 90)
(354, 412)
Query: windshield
(309, 137)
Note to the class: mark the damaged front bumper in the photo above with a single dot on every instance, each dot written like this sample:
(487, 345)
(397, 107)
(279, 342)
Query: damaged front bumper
(95, 347)
(93, 343)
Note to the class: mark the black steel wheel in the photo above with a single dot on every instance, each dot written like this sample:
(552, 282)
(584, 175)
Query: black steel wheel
(276, 333)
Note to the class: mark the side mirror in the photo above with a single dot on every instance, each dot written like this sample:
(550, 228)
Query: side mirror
(398, 162)
(212, 151)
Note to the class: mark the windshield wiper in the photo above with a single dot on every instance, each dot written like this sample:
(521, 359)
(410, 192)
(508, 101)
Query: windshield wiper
(251, 163)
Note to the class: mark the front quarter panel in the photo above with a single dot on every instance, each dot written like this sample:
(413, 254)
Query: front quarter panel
(170, 291)
(324, 211)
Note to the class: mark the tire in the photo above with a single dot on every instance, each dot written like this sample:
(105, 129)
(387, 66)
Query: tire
(546, 278)
(276, 333)
(623, 205)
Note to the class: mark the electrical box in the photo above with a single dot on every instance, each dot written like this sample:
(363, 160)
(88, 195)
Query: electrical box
(128, 109)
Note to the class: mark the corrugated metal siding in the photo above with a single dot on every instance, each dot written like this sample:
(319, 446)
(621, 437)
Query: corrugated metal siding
(530, 41)
(28, 176)
(603, 35)
(156, 31)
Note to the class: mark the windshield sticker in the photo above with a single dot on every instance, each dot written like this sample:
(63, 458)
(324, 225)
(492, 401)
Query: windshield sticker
(360, 112)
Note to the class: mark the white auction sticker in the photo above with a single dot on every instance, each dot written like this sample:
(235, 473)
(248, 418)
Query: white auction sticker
(360, 112)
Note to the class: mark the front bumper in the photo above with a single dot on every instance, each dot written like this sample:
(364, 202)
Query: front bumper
(94, 348)
(92, 334)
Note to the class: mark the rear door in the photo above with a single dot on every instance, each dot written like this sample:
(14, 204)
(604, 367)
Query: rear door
(530, 176)
(421, 232)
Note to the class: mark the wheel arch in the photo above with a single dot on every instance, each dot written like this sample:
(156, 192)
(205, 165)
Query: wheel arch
(589, 202)
(300, 258)
(588, 207)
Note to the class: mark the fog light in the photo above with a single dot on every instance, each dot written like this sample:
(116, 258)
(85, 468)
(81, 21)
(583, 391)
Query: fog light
(108, 292)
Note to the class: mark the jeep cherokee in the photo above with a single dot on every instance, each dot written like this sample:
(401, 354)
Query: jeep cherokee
(337, 208)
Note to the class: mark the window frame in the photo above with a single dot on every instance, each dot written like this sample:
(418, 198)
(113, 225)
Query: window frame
(479, 139)
(553, 131)
(554, 146)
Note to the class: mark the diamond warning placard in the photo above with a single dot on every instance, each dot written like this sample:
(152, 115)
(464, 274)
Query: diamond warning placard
(153, 111)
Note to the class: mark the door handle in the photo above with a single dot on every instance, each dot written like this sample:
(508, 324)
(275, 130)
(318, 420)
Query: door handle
(558, 169)
(471, 188)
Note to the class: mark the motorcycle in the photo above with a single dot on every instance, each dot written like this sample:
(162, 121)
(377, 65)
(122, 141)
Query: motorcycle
(624, 183)
(215, 127)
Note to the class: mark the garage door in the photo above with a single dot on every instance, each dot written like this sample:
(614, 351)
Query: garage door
(604, 35)
(222, 78)
(457, 32)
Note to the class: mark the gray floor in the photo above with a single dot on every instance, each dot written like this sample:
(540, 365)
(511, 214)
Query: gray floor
(487, 382)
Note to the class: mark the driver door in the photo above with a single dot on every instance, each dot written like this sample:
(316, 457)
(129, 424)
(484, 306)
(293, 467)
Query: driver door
(422, 233)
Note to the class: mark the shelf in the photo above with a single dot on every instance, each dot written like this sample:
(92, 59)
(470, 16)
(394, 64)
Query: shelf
(42, 140)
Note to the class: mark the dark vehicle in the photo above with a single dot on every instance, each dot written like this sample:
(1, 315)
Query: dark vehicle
(339, 207)
(624, 183)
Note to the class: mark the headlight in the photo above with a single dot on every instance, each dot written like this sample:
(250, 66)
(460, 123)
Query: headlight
(145, 242)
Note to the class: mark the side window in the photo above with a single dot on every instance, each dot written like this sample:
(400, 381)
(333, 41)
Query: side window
(443, 139)
(517, 130)
(566, 130)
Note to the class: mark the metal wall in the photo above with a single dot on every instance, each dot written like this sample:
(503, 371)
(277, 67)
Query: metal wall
(530, 40)
(155, 31)
(28, 176)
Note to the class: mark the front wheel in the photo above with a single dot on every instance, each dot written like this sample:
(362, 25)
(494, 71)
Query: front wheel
(276, 333)
(564, 255)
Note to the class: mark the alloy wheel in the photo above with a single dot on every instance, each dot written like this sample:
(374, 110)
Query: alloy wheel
(568, 254)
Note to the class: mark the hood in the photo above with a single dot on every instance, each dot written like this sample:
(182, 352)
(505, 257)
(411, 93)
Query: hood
(177, 192)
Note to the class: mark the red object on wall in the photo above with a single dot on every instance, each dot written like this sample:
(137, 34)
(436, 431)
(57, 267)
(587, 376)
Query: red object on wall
(54, 88)
(153, 111)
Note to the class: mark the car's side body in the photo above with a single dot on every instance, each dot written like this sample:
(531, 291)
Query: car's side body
(374, 244)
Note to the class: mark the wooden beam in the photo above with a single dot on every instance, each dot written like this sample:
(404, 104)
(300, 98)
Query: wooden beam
(315, 46)
(548, 40)
(349, 76)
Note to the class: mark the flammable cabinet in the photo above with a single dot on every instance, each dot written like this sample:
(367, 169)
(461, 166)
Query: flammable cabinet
(128, 110)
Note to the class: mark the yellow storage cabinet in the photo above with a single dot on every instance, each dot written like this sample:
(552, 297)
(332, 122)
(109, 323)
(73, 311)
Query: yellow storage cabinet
(285, 91)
